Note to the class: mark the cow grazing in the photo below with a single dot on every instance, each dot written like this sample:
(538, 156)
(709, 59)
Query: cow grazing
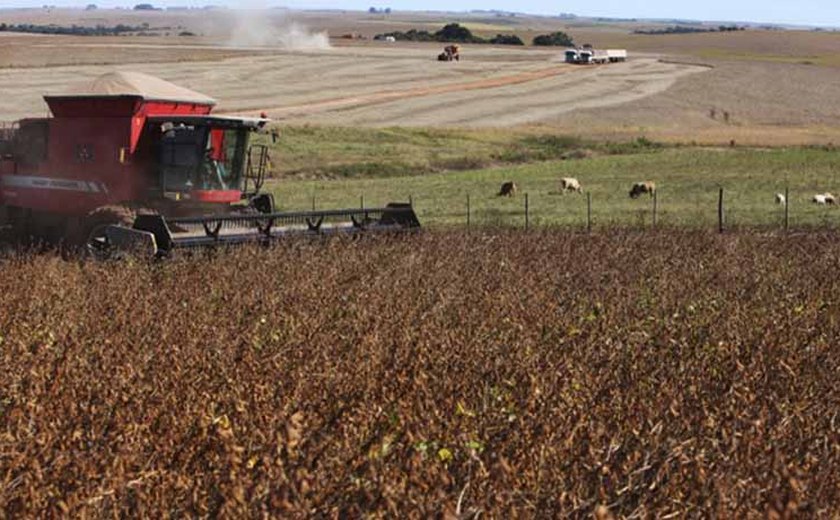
(824, 199)
(570, 184)
(508, 189)
(780, 199)
(640, 188)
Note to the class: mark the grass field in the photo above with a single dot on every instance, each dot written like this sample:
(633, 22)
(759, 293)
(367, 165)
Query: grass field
(444, 374)
(330, 152)
(439, 168)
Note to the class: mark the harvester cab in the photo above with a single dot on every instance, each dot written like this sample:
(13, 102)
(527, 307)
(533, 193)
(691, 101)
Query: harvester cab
(134, 161)
(204, 158)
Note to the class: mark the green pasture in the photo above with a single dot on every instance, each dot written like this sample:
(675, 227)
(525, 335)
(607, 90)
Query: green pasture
(688, 180)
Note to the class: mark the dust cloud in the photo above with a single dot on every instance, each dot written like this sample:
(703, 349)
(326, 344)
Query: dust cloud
(255, 25)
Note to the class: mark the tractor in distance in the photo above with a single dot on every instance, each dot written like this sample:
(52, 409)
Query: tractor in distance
(450, 53)
(133, 161)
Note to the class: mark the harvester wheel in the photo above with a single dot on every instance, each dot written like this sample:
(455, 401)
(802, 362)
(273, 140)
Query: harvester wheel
(96, 242)
(7, 228)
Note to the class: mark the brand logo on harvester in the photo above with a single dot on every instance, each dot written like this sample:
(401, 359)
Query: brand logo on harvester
(46, 183)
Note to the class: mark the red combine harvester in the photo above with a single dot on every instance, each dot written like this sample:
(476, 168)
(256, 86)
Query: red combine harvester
(137, 162)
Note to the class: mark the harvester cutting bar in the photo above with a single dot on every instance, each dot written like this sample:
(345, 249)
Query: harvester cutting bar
(190, 232)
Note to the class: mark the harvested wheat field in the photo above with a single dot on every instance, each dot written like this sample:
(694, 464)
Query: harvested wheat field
(493, 374)
(374, 85)
(779, 87)
(769, 104)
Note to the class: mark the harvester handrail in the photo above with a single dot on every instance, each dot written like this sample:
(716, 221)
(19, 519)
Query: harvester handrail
(8, 129)
(255, 172)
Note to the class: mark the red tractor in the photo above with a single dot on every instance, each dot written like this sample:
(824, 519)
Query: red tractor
(135, 161)
(450, 53)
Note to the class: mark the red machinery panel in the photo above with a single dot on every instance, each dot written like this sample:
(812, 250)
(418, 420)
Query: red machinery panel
(81, 158)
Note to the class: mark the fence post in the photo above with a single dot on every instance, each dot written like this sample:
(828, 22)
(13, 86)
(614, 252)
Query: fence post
(720, 211)
(655, 194)
(527, 214)
(313, 202)
(411, 201)
(588, 212)
(469, 211)
(787, 207)
(362, 201)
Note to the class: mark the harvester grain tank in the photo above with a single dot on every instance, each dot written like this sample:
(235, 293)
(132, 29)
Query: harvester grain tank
(135, 161)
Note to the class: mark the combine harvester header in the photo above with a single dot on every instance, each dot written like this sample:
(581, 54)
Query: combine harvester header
(134, 161)
(588, 56)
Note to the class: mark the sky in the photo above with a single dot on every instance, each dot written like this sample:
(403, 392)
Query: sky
(807, 12)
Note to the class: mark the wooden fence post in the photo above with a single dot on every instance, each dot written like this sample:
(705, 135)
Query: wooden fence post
(787, 207)
(720, 211)
(411, 201)
(527, 214)
(469, 211)
(588, 212)
(362, 201)
(655, 194)
(313, 202)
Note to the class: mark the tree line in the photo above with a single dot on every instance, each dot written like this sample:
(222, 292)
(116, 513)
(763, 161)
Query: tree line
(681, 29)
(73, 30)
(456, 33)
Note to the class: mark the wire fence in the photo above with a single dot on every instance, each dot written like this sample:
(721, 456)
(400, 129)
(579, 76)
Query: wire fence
(719, 210)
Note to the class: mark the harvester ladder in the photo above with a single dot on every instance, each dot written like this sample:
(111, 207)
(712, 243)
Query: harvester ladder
(258, 162)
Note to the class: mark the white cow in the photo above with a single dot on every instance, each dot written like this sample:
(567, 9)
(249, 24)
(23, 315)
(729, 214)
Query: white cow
(823, 199)
(780, 199)
(570, 184)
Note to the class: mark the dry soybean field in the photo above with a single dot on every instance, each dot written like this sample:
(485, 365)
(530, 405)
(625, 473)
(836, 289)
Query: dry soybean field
(494, 373)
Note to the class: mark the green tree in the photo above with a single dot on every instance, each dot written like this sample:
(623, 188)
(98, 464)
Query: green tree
(506, 39)
(454, 32)
(558, 39)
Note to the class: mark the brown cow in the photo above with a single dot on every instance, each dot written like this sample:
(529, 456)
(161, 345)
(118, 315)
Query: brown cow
(508, 189)
(640, 188)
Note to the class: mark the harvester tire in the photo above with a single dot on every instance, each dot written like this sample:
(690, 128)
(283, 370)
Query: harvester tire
(95, 241)
(7, 228)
